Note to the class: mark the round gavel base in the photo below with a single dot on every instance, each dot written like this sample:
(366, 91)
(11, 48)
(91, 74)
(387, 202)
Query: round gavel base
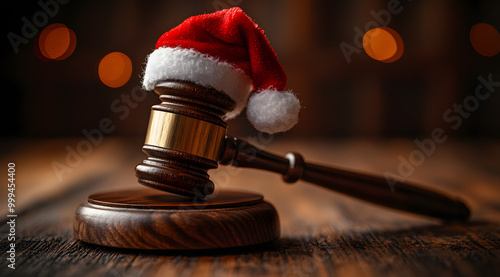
(151, 219)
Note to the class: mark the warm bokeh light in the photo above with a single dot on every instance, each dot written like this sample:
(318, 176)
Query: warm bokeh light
(383, 44)
(115, 69)
(485, 39)
(57, 42)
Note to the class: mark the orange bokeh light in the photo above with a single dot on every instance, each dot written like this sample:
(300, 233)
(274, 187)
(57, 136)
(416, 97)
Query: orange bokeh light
(57, 42)
(115, 69)
(485, 39)
(383, 44)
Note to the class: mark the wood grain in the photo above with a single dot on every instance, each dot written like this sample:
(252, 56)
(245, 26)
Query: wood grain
(323, 233)
(151, 219)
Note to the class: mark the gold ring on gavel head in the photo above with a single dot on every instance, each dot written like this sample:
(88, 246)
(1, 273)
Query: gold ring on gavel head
(185, 134)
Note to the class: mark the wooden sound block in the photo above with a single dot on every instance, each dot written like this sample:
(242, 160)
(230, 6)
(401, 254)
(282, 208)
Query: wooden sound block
(152, 219)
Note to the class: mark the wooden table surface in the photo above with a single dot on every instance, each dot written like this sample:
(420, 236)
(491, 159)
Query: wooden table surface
(323, 233)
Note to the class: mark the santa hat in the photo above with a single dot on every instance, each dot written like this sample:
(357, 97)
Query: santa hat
(227, 51)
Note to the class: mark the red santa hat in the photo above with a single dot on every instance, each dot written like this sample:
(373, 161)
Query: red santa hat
(227, 51)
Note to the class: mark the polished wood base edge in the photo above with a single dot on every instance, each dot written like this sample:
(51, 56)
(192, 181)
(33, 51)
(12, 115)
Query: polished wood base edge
(189, 228)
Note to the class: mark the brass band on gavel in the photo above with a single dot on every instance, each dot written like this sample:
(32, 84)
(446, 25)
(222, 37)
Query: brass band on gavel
(185, 134)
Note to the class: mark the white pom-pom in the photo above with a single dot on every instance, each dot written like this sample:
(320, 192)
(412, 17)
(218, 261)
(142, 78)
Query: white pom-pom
(273, 111)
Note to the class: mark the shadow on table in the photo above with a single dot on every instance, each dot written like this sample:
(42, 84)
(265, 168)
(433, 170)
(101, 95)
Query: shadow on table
(457, 237)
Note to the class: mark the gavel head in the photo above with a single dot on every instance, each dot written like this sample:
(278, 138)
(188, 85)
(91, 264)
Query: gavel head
(184, 138)
(226, 51)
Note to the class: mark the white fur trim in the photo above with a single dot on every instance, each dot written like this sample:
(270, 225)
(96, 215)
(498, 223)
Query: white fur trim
(273, 111)
(190, 65)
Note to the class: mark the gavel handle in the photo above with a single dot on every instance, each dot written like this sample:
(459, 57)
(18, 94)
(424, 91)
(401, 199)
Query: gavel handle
(371, 188)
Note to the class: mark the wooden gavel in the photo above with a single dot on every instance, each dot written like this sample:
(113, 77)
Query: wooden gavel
(187, 136)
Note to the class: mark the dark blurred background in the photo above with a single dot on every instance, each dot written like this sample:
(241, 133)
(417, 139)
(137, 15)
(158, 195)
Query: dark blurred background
(342, 97)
